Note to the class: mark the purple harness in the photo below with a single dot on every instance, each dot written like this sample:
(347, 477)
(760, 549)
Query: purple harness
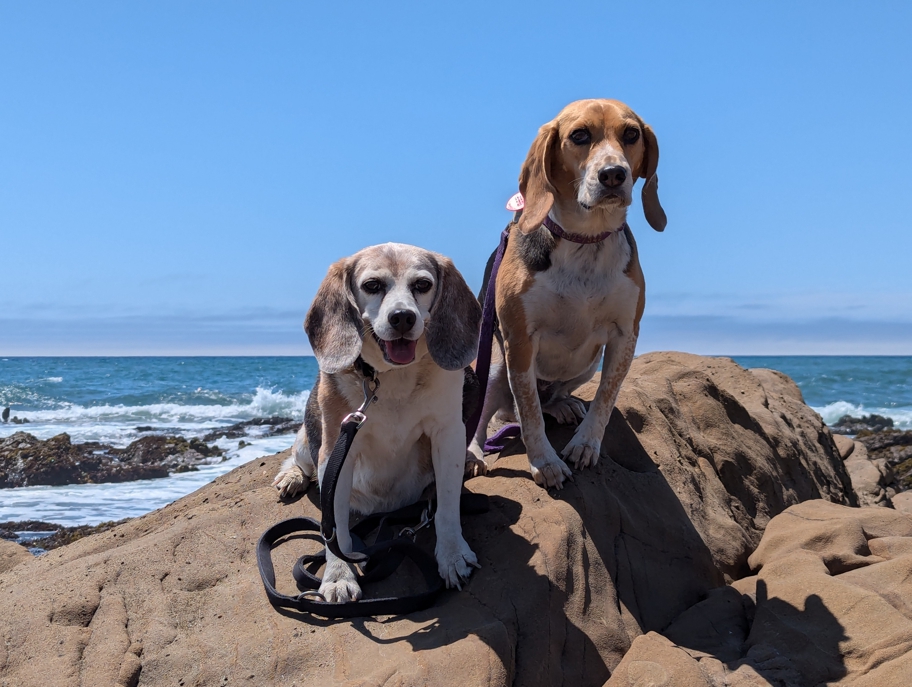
(497, 441)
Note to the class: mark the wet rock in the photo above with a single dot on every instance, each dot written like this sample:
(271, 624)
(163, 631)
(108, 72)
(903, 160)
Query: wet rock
(61, 536)
(26, 460)
(870, 423)
(274, 426)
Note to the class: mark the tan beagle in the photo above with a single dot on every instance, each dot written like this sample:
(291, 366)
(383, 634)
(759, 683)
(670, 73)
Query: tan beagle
(410, 316)
(570, 285)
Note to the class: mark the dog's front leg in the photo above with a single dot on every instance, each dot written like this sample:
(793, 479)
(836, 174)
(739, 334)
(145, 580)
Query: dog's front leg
(547, 468)
(340, 583)
(455, 559)
(585, 446)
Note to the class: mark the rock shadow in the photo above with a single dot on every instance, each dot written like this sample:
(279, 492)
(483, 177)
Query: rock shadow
(783, 643)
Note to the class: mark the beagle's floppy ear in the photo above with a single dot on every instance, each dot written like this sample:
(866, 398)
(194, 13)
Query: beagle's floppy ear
(452, 331)
(652, 208)
(535, 179)
(333, 325)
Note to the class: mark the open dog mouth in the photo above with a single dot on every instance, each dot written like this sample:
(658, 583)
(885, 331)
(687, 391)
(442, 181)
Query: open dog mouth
(397, 351)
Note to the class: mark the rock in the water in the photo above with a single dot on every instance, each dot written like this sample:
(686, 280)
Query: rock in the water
(698, 457)
(268, 427)
(28, 461)
(61, 535)
(870, 423)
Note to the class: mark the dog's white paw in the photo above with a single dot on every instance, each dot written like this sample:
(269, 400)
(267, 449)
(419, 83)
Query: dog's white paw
(290, 482)
(567, 411)
(339, 583)
(582, 451)
(549, 470)
(455, 561)
(475, 466)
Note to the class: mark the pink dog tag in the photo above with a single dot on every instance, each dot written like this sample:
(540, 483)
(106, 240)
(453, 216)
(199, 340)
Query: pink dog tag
(516, 203)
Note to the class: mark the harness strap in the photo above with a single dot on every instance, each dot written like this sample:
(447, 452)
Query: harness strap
(486, 338)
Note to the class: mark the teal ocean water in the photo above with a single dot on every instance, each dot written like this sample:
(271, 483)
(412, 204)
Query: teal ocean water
(106, 399)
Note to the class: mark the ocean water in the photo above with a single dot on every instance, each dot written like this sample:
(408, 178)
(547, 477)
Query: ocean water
(106, 399)
(848, 385)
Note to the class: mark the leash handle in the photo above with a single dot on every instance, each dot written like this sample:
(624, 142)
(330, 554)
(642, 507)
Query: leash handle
(308, 601)
(486, 337)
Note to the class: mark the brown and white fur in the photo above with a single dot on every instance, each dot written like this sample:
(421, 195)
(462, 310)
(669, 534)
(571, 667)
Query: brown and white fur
(410, 315)
(561, 304)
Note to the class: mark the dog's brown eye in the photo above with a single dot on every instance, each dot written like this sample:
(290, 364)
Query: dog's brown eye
(422, 285)
(631, 135)
(580, 136)
(371, 286)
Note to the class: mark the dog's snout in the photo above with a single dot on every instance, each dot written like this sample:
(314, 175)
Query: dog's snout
(612, 177)
(402, 320)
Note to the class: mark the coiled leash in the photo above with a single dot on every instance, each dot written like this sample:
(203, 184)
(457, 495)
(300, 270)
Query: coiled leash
(393, 541)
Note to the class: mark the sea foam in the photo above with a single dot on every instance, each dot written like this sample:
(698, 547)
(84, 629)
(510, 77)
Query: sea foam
(832, 412)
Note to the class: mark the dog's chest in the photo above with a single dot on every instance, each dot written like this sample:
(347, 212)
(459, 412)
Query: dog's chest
(579, 305)
(585, 290)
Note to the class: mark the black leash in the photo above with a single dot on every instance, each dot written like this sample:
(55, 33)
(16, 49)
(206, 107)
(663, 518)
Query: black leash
(376, 561)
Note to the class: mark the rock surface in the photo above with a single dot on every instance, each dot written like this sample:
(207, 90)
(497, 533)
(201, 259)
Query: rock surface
(27, 461)
(872, 478)
(894, 447)
(830, 604)
(867, 423)
(12, 554)
(702, 455)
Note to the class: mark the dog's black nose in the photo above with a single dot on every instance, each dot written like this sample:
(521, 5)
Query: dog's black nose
(612, 177)
(402, 320)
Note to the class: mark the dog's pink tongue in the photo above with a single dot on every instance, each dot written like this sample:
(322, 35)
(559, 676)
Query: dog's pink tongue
(401, 351)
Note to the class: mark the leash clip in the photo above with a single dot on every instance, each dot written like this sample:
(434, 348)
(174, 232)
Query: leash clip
(427, 516)
(370, 386)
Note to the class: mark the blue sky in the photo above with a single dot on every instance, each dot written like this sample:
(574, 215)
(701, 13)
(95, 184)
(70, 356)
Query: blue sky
(176, 177)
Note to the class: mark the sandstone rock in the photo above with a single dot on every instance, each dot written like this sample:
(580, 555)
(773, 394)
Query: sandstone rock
(699, 455)
(870, 477)
(895, 448)
(11, 554)
(829, 605)
(903, 502)
(844, 445)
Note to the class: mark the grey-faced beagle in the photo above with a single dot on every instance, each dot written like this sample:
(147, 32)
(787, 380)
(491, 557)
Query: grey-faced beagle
(409, 314)
(570, 285)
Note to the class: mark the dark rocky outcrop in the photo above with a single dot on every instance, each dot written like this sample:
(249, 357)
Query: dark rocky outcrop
(273, 427)
(61, 535)
(699, 456)
(867, 423)
(28, 461)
